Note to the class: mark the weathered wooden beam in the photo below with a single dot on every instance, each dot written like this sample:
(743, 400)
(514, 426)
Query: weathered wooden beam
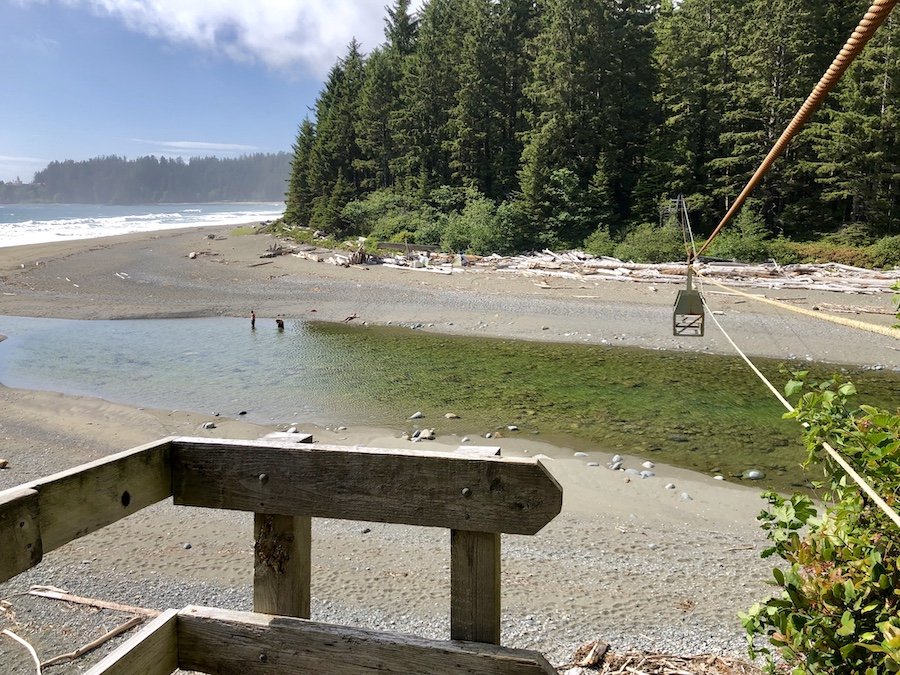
(475, 586)
(282, 564)
(244, 643)
(83, 499)
(151, 651)
(21, 547)
(489, 494)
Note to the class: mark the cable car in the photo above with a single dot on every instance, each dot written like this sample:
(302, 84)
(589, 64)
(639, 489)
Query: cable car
(687, 319)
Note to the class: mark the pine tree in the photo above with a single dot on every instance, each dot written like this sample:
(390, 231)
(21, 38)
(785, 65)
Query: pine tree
(693, 60)
(300, 194)
(428, 92)
(590, 111)
(776, 67)
(858, 139)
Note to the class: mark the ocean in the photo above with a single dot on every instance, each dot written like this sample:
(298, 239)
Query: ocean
(40, 223)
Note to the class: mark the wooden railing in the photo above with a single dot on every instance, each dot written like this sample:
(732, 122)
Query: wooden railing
(285, 486)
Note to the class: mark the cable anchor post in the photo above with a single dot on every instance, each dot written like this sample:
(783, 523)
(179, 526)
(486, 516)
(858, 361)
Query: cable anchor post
(688, 315)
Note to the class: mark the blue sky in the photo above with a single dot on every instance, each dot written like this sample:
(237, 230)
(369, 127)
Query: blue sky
(83, 78)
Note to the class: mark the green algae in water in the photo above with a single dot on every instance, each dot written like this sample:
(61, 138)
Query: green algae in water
(704, 412)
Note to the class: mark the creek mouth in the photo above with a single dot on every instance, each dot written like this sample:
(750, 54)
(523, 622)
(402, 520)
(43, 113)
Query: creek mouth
(703, 412)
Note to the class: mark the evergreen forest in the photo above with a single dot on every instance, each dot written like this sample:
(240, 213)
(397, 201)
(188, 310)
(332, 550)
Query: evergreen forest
(150, 180)
(507, 125)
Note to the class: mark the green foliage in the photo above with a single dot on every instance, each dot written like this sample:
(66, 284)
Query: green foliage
(886, 252)
(745, 240)
(600, 243)
(651, 243)
(576, 117)
(839, 609)
(473, 229)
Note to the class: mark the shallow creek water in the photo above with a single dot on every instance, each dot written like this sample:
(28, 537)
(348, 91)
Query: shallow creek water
(698, 411)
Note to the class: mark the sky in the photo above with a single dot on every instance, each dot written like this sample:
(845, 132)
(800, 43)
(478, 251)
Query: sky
(86, 78)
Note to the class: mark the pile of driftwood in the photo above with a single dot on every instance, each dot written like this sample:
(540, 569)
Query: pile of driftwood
(577, 265)
(595, 657)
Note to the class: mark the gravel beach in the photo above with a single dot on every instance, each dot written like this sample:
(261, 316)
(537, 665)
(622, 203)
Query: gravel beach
(631, 563)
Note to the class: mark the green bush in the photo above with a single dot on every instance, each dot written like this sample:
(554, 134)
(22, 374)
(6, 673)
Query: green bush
(473, 229)
(745, 240)
(653, 244)
(839, 607)
(600, 243)
(373, 211)
(886, 252)
(783, 251)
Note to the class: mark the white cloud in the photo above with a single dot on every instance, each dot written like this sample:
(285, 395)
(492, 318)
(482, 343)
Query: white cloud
(193, 147)
(283, 34)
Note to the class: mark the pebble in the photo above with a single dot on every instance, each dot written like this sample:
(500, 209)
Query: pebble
(753, 474)
(686, 497)
(451, 416)
(615, 466)
(647, 474)
(465, 439)
(186, 546)
(632, 472)
(593, 463)
(489, 435)
(718, 477)
(416, 415)
(618, 458)
(243, 412)
(293, 430)
(342, 428)
(4, 464)
(512, 427)
(208, 425)
(648, 465)
(670, 486)
(581, 454)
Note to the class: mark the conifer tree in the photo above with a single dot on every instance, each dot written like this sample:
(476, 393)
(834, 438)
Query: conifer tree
(693, 60)
(428, 91)
(858, 139)
(300, 194)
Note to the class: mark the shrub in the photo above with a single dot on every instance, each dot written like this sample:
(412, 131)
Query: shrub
(745, 240)
(784, 251)
(886, 252)
(600, 243)
(839, 609)
(473, 229)
(649, 243)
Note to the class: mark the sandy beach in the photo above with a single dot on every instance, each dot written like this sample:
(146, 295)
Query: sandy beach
(631, 563)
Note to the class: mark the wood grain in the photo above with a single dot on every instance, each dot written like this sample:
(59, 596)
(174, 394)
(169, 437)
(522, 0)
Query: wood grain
(20, 535)
(239, 643)
(282, 564)
(486, 494)
(475, 586)
(83, 499)
(151, 651)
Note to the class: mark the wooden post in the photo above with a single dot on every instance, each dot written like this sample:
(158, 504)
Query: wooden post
(282, 560)
(475, 586)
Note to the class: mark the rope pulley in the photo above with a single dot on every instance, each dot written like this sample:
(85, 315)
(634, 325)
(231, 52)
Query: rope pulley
(687, 319)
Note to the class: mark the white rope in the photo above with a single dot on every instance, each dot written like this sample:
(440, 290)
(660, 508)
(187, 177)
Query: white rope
(27, 645)
(863, 484)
